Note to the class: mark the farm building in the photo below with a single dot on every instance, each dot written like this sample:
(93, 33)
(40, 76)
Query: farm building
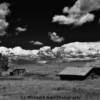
(78, 73)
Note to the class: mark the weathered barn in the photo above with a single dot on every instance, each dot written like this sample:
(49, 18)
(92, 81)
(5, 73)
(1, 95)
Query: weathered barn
(76, 73)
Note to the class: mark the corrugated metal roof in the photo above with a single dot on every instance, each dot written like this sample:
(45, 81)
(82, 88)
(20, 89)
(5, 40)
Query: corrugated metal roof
(80, 71)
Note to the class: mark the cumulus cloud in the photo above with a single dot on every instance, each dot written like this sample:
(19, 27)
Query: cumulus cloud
(55, 38)
(36, 43)
(34, 52)
(21, 29)
(86, 18)
(71, 51)
(46, 52)
(20, 51)
(45, 48)
(76, 14)
(65, 10)
(73, 20)
(63, 19)
(2, 33)
(78, 51)
(4, 10)
(84, 47)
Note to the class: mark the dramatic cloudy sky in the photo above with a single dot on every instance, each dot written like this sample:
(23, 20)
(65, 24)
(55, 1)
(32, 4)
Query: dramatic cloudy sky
(36, 17)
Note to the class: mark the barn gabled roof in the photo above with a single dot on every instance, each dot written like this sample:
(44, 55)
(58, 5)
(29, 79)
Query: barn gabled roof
(79, 71)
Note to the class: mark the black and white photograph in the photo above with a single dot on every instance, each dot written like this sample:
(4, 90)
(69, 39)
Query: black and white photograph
(50, 50)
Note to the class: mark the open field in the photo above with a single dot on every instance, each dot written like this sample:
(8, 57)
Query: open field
(42, 83)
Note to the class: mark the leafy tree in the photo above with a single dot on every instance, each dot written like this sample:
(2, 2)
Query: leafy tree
(3, 62)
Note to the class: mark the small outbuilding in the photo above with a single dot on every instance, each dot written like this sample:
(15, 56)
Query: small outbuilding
(75, 73)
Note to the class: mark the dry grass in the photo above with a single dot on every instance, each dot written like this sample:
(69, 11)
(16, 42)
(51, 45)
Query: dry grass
(29, 90)
(43, 84)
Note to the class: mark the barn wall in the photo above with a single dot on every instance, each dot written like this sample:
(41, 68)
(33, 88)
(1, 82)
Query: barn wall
(72, 77)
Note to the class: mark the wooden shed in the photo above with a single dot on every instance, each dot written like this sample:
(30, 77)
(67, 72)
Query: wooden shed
(75, 73)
